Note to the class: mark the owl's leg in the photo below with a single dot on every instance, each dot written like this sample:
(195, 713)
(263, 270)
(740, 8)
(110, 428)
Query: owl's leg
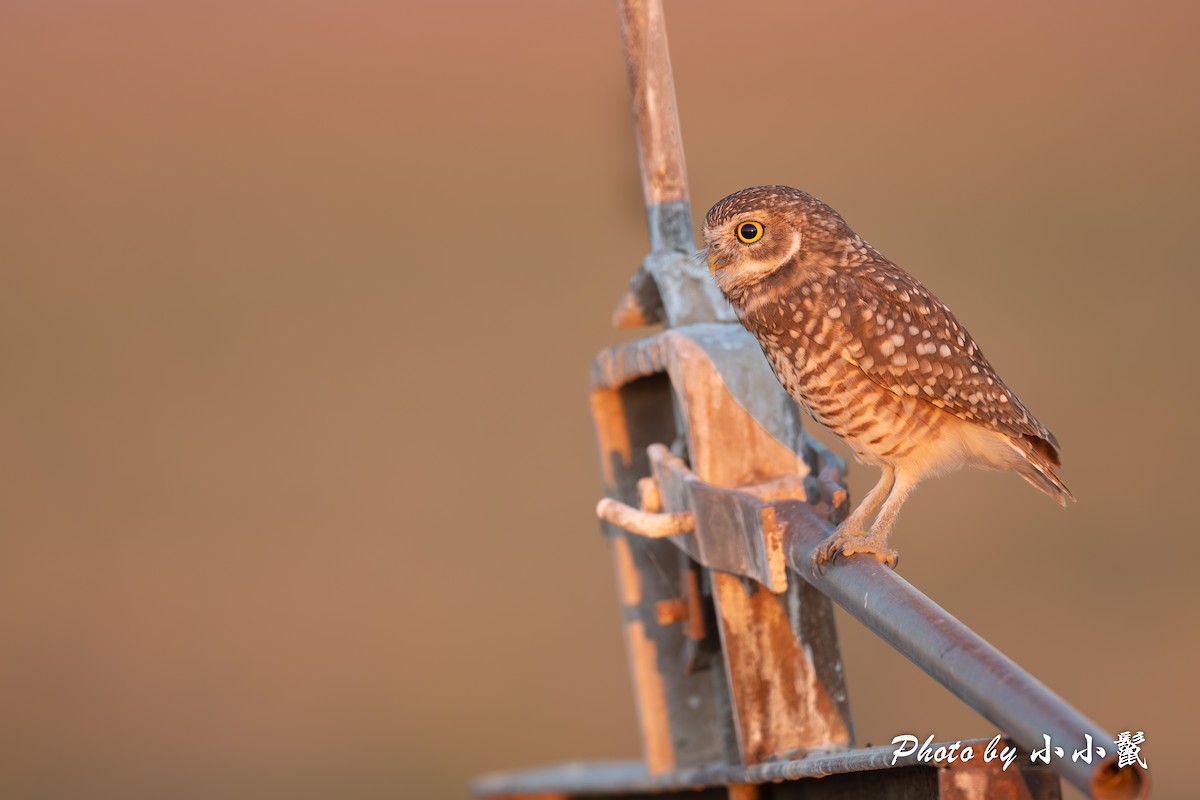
(875, 543)
(853, 530)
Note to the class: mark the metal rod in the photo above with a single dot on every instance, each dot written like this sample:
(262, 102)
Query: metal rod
(958, 658)
(631, 777)
(656, 123)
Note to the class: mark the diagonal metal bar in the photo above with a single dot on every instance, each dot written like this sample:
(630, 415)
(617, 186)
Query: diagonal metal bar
(670, 286)
(958, 658)
(656, 124)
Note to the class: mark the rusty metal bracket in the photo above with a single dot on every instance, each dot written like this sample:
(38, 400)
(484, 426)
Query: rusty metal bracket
(733, 526)
(778, 687)
(733, 530)
(724, 529)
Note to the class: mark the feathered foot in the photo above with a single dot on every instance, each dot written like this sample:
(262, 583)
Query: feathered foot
(848, 542)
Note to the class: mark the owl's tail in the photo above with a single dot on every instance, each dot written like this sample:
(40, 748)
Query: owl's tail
(1038, 458)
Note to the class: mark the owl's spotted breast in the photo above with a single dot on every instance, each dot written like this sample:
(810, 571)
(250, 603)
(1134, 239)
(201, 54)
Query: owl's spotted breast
(870, 353)
(878, 425)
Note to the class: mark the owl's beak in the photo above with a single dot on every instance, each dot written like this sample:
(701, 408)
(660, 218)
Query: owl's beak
(714, 265)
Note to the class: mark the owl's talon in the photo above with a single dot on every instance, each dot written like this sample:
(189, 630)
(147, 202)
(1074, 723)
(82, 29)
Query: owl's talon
(833, 545)
(884, 555)
(849, 543)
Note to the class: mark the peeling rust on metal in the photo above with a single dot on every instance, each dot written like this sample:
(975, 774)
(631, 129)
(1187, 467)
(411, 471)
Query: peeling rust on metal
(713, 367)
(612, 433)
(781, 704)
(643, 523)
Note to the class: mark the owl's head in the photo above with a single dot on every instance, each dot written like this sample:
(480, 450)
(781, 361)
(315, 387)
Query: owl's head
(757, 231)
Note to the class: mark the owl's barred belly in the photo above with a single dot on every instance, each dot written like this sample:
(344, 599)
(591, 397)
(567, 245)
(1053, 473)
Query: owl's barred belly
(870, 353)
(880, 426)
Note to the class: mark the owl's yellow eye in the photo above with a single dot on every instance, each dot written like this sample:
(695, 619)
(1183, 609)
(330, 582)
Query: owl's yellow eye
(749, 232)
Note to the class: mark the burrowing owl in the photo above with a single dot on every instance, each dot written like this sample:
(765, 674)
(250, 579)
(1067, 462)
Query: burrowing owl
(871, 354)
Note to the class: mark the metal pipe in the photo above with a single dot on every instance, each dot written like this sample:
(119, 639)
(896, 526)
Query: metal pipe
(958, 658)
(656, 122)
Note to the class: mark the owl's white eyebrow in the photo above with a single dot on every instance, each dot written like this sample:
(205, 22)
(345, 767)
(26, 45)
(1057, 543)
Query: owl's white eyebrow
(795, 248)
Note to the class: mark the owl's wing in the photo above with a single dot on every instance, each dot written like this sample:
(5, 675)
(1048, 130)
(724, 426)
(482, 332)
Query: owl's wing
(907, 341)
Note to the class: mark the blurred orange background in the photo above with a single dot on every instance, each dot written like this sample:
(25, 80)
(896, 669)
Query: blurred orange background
(297, 303)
